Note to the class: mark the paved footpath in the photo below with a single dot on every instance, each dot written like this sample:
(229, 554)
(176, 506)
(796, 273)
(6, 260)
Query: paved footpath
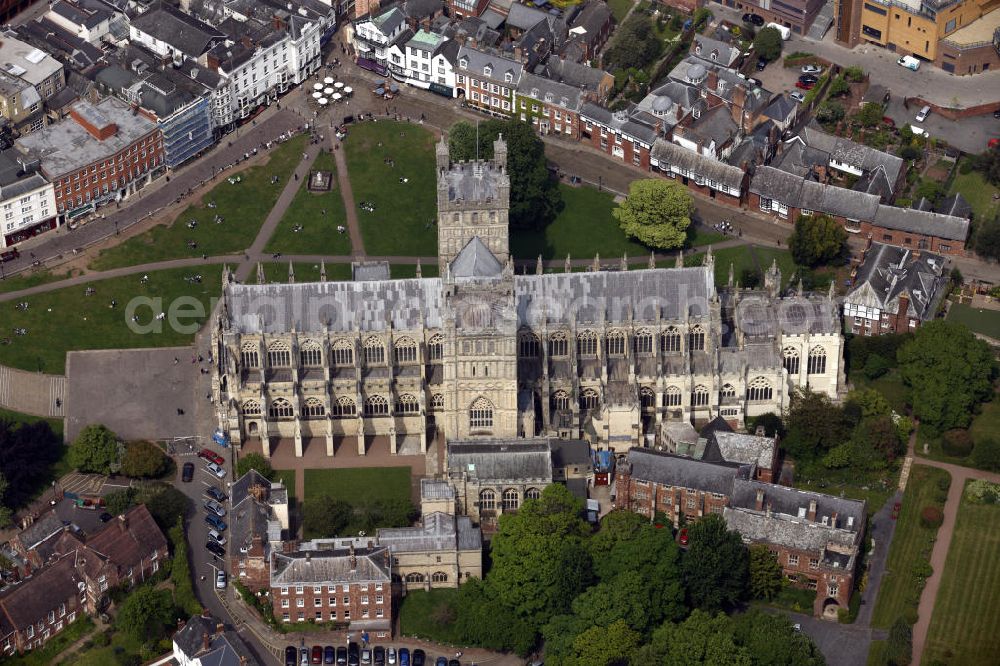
(32, 393)
(350, 207)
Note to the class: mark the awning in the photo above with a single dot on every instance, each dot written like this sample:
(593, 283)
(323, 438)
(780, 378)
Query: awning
(79, 212)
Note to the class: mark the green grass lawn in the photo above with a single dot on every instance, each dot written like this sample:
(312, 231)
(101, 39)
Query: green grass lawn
(965, 627)
(49, 653)
(619, 8)
(911, 544)
(243, 205)
(767, 255)
(977, 192)
(359, 483)
(986, 424)
(121, 645)
(32, 279)
(277, 271)
(287, 477)
(66, 319)
(420, 612)
(400, 271)
(319, 233)
(18, 417)
(986, 322)
(404, 220)
(890, 385)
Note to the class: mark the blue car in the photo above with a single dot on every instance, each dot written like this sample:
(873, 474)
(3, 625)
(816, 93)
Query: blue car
(216, 522)
(404, 657)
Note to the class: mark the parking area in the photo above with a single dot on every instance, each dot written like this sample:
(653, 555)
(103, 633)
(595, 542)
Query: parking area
(969, 134)
(778, 79)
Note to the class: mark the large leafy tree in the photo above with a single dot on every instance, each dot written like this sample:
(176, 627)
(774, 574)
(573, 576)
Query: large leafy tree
(535, 199)
(27, 452)
(949, 371)
(817, 239)
(701, 639)
(324, 516)
(988, 163)
(95, 450)
(773, 642)
(765, 572)
(540, 563)
(165, 503)
(145, 613)
(254, 461)
(715, 568)
(605, 645)
(767, 44)
(988, 238)
(656, 212)
(144, 459)
(478, 621)
(814, 425)
(634, 45)
(625, 598)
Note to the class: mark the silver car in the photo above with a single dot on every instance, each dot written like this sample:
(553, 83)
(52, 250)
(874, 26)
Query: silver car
(214, 507)
(811, 69)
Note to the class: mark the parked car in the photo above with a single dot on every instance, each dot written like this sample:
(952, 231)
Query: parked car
(187, 472)
(304, 654)
(366, 657)
(220, 579)
(909, 62)
(811, 69)
(992, 143)
(889, 121)
(353, 654)
(378, 655)
(419, 657)
(895, 510)
(923, 113)
(809, 78)
(216, 469)
(211, 456)
(217, 537)
(682, 536)
(105, 517)
(215, 494)
(291, 656)
(804, 86)
(317, 654)
(214, 507)
(753, 19)
(454, 662)
(404, 657)
(215, 548)
(329, 654)
(761, 64)
(216, 523)
(797, 96)
(441, 661)
(390, 656)
(342, 655)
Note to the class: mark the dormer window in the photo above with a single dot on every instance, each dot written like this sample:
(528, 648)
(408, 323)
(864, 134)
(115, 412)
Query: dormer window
(697, 49)
(534, 93)
(715, 55)
(548, 97)
(696, 113)
(487, 71)
(722, 85)
(508, 77)
(464, 62)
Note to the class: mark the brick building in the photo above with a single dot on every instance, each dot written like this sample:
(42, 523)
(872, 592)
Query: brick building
(626, 135)
(487, 80)
(350, 587)
(103, 152)
(34, 611)
(894, 290)
(702, 174)
(258, 523)
(551, 107)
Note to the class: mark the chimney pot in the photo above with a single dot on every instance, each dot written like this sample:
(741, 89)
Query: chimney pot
(812, 510)
(219, 628)
(206, 641)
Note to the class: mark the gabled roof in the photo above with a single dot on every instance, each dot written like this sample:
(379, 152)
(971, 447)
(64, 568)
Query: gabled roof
(30, 601)
(794, 502)
(714, 50)
(889, 272)
(522, 17)
(922, 222)
(129, 538)
(669, 154)
(331, 567)
(184, 32)
(591, 19)
(480, 62)
(573, 73)
(40, 530)
(224, 647)
(500, 460)
(781, 108)
(551, 92)
(682, 472)
(956, 206)
(475, 261)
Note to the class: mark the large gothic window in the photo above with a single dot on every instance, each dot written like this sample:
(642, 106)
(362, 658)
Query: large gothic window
(616, 343)
(374, 351)
(414, 577)
(586, 344)
(487, 500)
(280, 409)
(310, 354)
(435, 348)
(558, 345)
(511, 499)
(817, 361)
(481, 414)
(437, 402)
(344, 408)
(670, 341)
(343, 352)
(589, 399)
(376, 405)
(279, 355)
(251, 408)
(672, 397)
(407, 404)
(643, 342)
(728, 391)
(249, 357)
(699, 397)
(790, 360)
(759, 390)
(527, 345)
(560, 401)
(532, 494)
(647, 399)
(439, 577)
(313, 408)
(406, 350)
(696, 338)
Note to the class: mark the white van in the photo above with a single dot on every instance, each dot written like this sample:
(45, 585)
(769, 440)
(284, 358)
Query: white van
(923, 113)
(909, 62)
(919, 131)
(786, 33)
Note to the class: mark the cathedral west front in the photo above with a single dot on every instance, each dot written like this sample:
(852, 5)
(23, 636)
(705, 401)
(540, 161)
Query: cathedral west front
(610, 356)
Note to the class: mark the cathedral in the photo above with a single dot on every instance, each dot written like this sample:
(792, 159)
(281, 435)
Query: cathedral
(613, 356)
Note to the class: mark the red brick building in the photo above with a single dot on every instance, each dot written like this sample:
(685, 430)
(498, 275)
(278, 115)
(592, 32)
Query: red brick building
(100, 153)
(702, 174)
(351, 588)
(37, 609)
(625, 135)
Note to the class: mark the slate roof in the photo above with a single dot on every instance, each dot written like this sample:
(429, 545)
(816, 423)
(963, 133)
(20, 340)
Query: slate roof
(62, 44)
(724, 53)
(477, 61)
(682, 472)
(759, 316)
(224, 649)
(797, 192)
(240, 489)
(31, 600)
(630, 122)
(858, 155)
(889, 272)
(331, 567)
(523, 17)
(40, 530)
(741, 448)
(717, 126)
(551, 92)
(500, 460)
(592, 18)
(436, 489)
(922, 222)
(956, 206)
(475, 261)
(76, 15)
(566, 452)
(388, 21)
(781, 108)
(572, 73)
(786, 531)
(184, 32)
(129, 538)
(669, 153)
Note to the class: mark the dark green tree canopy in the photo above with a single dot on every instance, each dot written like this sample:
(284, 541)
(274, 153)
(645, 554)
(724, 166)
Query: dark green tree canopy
(816, 240)
(95, 450)
(715, 568)
(27, 453)
(146, 612)
(634, 44)
(767, 44)
(144, 460)
(256, 462)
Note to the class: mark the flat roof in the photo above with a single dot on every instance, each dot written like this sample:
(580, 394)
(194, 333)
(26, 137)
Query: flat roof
(24, 60)
(980, 30)
(66, 146)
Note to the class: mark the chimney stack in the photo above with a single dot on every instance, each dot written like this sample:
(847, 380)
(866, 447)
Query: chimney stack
(206, 641)
(812, 511)
(760, 431)
(219, 628)
(759, 504)
(354, 560)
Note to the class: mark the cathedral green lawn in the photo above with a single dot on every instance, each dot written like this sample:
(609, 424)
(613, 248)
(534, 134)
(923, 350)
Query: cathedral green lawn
(67, 320)
(911, 546)
(243, 205)
(400, 271)
(359, 484)
(404, 222)
(18, 417)
(979, 320)
(319, 233)
(30, 279)
(965, 627)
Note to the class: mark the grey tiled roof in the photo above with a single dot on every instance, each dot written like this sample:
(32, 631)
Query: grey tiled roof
(436, 489)
(922, 222)
(475, 261)
(858, 155)
(224, 649)
(330, 567)
(501, 460)
(955, 205)
(478, 61)
(889, 272)
(40, 530)
(569, 452)
(667, 152)
(572, 73)
(184, 32)
(592, 18)
(682, 472)
(705, 48)
(473, 181)
(793, 502)
(758, 315)
(781, 108)
(523, 17)
(631, 122)
(784, 530)
(797, 192)
(550, 92)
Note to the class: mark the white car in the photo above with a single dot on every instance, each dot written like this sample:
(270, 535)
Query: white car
(390, 656)
(923, 113)
(220, 579)
(797, 96)
(216, 469)
(811, 69)
(215, 536)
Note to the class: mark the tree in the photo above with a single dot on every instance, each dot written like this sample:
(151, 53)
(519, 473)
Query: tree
(773, 641)
(634, 44)
(870, 114)
(478, 622)
(949, 371)
(118, 502)
(899, 648)
(144, 460)
(988, 164)
(814, 425)
(854, 74)
(839, 86)
(929, 189)
(535, 199)
(6, 515)
(700, 639)
(988, 239)
(254, 461)
(715, 568)
(27, 453)
(94, 450)
(145, 613)
(607, 645)
(765, 572)
(816, 240)
(165, 503)
(324, 516)
(767, 44)
(656, 212)
(830, 112)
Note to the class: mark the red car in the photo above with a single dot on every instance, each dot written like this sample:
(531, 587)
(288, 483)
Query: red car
(317, 654)
(993, 143)
(895, 510)
(888, 121)
(211, 456)
(682, 537)
(805, 86)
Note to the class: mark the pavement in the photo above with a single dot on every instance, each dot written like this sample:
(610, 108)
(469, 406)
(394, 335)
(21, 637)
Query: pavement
(33, 393)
